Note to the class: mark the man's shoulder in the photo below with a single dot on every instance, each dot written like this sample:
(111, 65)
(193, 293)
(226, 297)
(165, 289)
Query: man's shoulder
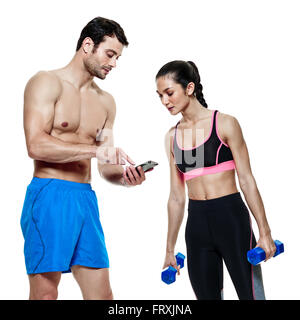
(105, 97)
(45, 79)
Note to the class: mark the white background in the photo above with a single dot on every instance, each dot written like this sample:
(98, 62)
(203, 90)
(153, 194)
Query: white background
(247, 53)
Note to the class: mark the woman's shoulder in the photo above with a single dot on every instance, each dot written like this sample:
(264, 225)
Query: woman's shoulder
(226, 119)
(169, 136)
(227, 124)
(171, 131)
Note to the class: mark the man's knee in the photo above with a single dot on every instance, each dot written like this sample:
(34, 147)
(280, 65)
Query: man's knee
(44, 294)
(44, 286)
(109, 296)
(98, 295)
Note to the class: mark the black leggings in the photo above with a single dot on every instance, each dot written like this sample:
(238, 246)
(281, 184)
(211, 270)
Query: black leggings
(220, 229)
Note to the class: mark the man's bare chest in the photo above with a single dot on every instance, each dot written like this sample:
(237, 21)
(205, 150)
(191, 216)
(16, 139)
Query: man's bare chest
(78, 117)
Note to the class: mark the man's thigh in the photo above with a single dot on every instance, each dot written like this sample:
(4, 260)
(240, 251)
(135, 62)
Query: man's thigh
(94, 282)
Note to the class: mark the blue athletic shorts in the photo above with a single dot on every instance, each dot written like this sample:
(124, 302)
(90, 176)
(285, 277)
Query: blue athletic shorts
(61, 227)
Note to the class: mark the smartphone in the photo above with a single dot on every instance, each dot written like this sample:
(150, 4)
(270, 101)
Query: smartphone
(146, 166)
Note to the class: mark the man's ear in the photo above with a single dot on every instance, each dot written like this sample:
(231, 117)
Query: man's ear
(87, 45)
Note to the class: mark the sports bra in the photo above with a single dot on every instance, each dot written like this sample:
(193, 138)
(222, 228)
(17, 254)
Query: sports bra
(212, 156)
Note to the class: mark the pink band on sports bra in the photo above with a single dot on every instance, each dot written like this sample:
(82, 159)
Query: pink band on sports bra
(217, 157)
(217, 116)
(223, 166)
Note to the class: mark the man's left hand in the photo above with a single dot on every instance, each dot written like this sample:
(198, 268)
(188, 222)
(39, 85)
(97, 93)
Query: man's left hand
(133, 176)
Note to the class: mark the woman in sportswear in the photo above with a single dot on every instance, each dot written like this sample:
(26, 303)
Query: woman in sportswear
(205, 148)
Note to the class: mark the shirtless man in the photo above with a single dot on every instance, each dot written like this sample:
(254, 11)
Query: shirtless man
(68, 120)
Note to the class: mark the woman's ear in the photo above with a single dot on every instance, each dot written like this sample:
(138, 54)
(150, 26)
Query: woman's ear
(190, 89)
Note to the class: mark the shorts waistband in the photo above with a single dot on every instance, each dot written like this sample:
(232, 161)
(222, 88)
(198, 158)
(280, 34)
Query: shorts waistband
(59, 182)
(215, 201)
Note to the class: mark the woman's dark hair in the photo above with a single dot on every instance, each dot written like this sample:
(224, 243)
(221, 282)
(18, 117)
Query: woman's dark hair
(184, 72)
(100, 27)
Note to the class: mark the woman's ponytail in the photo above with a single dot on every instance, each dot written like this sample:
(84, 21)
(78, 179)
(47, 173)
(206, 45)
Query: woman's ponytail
(198, 86)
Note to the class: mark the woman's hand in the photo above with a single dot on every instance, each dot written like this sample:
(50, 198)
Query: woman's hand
(170, 260)
(267, 244)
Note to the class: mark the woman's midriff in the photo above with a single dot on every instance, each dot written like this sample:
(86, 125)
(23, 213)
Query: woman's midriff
(212, 186)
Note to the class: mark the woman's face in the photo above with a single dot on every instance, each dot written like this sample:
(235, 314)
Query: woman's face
(171, 94)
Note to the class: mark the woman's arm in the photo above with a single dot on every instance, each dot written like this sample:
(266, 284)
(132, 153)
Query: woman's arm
(176, 202)
(230, 129)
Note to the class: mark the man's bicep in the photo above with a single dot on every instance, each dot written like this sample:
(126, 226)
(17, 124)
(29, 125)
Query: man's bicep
(105, 138)
(40, 96)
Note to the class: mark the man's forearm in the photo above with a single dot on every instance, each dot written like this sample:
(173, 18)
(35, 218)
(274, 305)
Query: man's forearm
(51, 149)
(255, 204)
(112, 173)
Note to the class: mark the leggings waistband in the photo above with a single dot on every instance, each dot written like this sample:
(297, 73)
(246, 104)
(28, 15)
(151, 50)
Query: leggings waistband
(215, 201)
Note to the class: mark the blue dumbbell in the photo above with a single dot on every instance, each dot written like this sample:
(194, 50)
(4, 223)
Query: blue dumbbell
(169, 275)
(257, 255)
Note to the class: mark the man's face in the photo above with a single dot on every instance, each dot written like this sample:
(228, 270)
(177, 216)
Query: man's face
(100, 61)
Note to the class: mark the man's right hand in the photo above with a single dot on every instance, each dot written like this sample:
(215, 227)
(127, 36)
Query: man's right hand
(112, 155)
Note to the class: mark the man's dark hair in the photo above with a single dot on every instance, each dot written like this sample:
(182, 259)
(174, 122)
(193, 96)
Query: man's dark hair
(100, 27)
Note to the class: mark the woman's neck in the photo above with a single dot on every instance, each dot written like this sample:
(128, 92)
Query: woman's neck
(194, 112)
